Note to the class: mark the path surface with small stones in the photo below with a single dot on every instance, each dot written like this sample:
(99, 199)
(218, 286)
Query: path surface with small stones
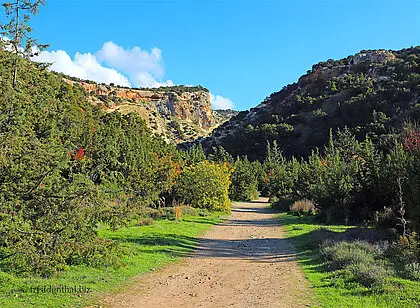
(245, 261)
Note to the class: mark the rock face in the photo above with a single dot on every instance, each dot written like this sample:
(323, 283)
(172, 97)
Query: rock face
(176, 113)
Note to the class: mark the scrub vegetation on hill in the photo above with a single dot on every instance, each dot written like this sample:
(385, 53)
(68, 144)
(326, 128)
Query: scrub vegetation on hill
(66, 166)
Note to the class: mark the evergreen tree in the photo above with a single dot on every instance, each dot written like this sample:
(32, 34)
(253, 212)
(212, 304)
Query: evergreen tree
(18, 32)
(244, 181)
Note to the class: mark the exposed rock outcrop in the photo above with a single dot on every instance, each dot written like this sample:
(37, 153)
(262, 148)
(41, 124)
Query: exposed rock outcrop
(176, 113)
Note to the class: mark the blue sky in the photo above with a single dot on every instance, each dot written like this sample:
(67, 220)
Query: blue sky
(239, 50)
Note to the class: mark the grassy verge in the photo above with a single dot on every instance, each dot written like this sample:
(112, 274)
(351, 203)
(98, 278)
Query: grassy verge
(332, 291)
(148, 248)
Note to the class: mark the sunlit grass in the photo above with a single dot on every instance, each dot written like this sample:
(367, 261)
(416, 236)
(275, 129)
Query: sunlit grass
(333, 292)
(148, 248)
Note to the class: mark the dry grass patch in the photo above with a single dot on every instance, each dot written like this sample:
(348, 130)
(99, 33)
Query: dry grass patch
(305, 206)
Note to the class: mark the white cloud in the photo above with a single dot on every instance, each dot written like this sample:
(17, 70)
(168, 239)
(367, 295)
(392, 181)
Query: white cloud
(220, 102)
(131, 61)
(83, 66)
(112, 63)
(143, 79)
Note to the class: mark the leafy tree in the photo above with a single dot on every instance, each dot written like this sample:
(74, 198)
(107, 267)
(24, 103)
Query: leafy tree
(205, 185)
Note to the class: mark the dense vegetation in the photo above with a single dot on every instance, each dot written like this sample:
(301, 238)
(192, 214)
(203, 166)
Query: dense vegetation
(66, 166)
(69, 171)
(372, 93)
(355, 183)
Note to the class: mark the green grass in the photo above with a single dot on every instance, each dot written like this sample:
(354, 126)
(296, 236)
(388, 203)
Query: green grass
(149, 248)
(334, 292)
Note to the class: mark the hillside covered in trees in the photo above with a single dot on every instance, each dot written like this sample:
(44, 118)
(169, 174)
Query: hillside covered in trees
(176, 113)
(66, 165)
(372, 93)
(80, 161)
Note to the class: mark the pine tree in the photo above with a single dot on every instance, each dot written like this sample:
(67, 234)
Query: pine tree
(17, 30)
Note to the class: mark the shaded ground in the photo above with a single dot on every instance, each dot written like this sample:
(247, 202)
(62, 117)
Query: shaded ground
(243, 262)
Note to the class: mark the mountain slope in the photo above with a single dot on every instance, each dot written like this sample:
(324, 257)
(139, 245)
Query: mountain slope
(372, 93)
(177, 113)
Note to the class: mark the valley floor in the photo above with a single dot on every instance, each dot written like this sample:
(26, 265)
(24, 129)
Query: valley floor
(245, 261)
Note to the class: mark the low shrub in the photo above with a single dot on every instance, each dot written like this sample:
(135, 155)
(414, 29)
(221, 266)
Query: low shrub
(361, 261)
(281, 204)
(189, 210)
(149, 212)
(204, 213)
(98, 253)
(166, 212)
(305, 206)
(369, 274)
(339, 255)
(412, 271)
(144, 221)
(405, 255)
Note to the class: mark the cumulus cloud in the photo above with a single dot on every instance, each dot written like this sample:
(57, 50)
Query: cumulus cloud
(112, 63)
(115, 64)
(131, 61)
(84, 66)
(220, 102)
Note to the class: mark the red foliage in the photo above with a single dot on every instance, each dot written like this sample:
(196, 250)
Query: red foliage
(411, 140)
(80, 154)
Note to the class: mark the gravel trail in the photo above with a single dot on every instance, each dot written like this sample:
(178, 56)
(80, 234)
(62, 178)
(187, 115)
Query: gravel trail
(245, 261)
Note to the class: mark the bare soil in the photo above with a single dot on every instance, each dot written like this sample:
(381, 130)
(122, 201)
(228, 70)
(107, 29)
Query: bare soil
(245, 261)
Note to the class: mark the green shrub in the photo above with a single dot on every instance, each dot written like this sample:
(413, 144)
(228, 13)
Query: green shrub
(305, 206)
(369, 274)
(189, 210)
(360, 261)
(412, 271)
(405, 255)
(144, 221)
(339, 255)
(203, 213)
(205, 185)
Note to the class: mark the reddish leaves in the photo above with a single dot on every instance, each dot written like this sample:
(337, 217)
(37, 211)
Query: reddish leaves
(79, 155)
(411, 140)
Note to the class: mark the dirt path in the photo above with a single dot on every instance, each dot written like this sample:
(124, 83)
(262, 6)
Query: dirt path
(243, 262)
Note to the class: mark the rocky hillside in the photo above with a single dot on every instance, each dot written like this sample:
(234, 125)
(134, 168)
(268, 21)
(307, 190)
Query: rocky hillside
(177, 113)
(373, 93)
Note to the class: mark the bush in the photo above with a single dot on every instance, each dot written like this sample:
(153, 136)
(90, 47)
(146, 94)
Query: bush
(189, 210)
(369, 274)
(304, 206)
(412, 271)
(405, 254)
(149, 212)
(359, 260)
(144, 221)
(339, 255)
(203, 213)
(205, 185)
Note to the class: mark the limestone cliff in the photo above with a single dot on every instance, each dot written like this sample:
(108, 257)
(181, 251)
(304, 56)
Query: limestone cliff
(176, 113)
